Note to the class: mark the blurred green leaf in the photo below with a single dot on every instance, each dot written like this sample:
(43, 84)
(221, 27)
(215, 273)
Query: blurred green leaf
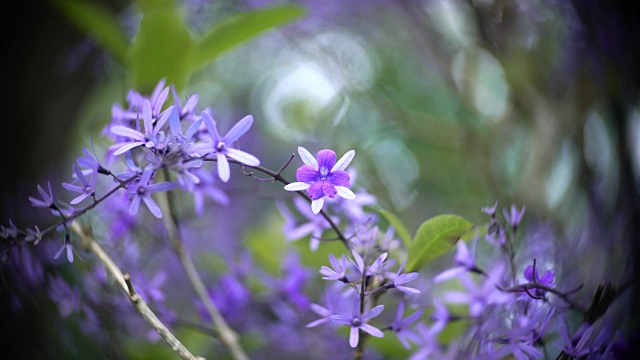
(401, 230)
(435, 237)
(161, 50)
(267, 245)
(240, 28)
(98, 23)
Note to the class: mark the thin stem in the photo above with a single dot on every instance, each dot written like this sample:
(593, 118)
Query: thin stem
(277, 176)
(226, 335)
(534, 285)
(359, 352)
(90, 243)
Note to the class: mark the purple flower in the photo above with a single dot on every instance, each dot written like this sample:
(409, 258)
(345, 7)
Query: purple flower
(141, 190)
(400, 325)
(401, 279)
(514, 216)
(47, 198)
(315, 225)
(576, 346)
(206, 187)
(67, 246)
(86, 188)
(464, 261)
(339, 271)
(324, 313)
(324, 177)
(358, 322)
(152, 137)
(34, 235)
(546, 279)
(188, 110)
(221, 145)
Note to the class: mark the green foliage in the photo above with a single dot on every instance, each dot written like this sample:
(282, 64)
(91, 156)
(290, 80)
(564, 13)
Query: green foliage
(98, 23)
(435, 237)
(239, 29)
(267, 245)
(164, 47)
(401, 230)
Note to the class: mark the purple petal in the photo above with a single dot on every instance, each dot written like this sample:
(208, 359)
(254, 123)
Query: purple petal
(74, 188)
(147, 117)
(159, 101)
(157, 90)
(354, 337)
(372, 313)
(320, 310)
(307, 158)
(174, 123)
(127, 132)
(327, 189)
(340, 319)
(152, 206)
(79, 198)
(307, 174)
(355, 306)
(547, 277)
(163, 186)
(211, 127)
(135, 203)
(223, 168)
(191, 103)
(449, 274)
(300, 231)
(69, 252)
(80, 175)
(339, 178)
(238, 129)
(326, 160)
(192, 129)
(242, 157)
(126, 147)
(408, 290)
(317, 322)
(528, 273)
(371, 330)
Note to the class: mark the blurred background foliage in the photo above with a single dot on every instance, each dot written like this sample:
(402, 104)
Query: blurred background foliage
(451, 105)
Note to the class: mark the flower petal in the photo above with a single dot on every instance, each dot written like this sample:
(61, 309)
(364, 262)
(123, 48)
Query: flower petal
(339, 178)
(238, 129)
(223, 168)
(372, 313)
(371, 330)
(315, 190)
(344, 161)
(307, 174)
(345, 192)
(326, 159)
(152, 206)
(316, 205)
(147, 117)
(340, 319)
(127, 132)
(354, 337)
(297, 186)
(242, 156)
(211, 127)
(174, 123)
(126, 147)
(307, 158)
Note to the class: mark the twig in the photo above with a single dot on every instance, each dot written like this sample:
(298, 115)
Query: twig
(89, 242)
(224, 332)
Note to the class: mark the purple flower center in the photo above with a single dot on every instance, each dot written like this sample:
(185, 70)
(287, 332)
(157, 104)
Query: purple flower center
(355, 322)
(141, 190)
(220, 146)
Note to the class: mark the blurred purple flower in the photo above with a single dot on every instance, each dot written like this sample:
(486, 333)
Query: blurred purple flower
(358, 322)
(141, 190)
(400, 326)
(324, 177)
(514, 216)
(47, 198)
(294, 230)
(221, 145)
(339, 271)
(86, 187)
(546, 279)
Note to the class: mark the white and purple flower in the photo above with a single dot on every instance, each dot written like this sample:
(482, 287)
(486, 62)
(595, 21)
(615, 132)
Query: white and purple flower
(323, 177)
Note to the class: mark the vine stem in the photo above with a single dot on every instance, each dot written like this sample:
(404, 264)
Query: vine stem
(224, 332)
(277, 176)
(124, 280)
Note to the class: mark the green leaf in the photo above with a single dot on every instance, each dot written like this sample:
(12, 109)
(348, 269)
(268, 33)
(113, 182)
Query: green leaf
(161, 50)
(98, 23)
(435, 237)
(241, 28)
(401, 230)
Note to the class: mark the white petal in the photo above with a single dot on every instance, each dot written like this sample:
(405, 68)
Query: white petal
(316, 205)
(223, 168)
(345, 192)
(297, 186)
(307, 158)
(344, 161)
(243, 157)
